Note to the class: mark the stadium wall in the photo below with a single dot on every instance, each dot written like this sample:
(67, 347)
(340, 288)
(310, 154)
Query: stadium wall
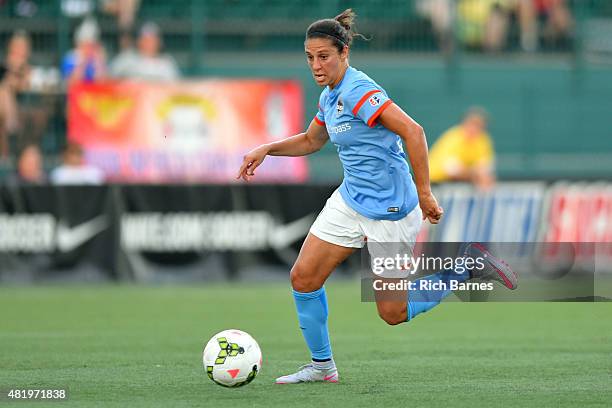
(550, 120)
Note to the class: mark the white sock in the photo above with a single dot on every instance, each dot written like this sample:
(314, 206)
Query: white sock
(324, 365)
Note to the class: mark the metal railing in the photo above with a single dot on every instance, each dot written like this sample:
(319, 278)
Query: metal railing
(193, 27)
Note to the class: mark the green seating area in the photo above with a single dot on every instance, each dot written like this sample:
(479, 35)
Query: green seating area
(267, 31)
(251, 25)
(228, 10)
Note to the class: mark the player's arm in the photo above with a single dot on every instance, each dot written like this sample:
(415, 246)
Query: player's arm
(302, 144)
(299, 145)
(413, 135)
(484, 169)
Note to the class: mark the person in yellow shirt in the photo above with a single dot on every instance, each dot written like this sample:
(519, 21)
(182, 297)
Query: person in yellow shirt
(464, 152)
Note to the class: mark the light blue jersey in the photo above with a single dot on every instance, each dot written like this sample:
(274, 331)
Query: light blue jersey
(377, 181)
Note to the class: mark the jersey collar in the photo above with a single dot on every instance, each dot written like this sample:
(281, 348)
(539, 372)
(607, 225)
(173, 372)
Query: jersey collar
(348, 71)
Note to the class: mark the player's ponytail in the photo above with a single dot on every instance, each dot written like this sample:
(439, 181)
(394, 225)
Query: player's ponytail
(346, 19)
(340, 30)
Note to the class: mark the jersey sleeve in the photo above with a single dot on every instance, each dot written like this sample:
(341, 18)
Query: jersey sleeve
(320, 116)
(367, 102)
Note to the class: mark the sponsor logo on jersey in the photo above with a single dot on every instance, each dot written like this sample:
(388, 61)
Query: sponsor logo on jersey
(339, 107)
(343, 127)
(374, 100)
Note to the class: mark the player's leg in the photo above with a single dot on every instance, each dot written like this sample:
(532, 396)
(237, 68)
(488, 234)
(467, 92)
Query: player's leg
(333, 237)
(396, 307)
(430, 290)
(389, 238)
(429, 293)
(492, 268)
(316, 261)
(386, 239)
(392, 306)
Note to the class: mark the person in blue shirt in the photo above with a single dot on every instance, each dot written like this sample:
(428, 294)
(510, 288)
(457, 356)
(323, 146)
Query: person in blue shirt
(87, 62)
(378, 200)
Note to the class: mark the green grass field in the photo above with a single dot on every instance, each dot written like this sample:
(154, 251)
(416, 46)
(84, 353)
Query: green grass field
(141, 346)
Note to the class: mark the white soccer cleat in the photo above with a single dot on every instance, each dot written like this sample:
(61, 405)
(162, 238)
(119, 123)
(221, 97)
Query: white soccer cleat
(309, 373)
(494, 268)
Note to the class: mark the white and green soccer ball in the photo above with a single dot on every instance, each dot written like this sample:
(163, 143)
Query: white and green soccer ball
(232, 358)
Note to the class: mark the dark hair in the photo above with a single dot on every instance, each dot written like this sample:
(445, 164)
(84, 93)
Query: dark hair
(20, 35)
(340, 29)
(476, 111)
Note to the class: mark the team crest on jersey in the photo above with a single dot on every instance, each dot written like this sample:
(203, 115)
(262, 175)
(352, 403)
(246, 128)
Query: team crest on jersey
(339, 107)
(374, 100)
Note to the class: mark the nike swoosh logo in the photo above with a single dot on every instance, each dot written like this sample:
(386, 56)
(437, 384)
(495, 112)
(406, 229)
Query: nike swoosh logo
(329, 377)
(284, 235)
(69, 239)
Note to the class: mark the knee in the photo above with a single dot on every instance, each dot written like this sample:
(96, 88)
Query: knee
(393, 315)
(302, 281)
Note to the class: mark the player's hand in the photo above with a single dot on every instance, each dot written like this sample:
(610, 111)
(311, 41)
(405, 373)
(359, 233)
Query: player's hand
(251, 161)
(430, 208)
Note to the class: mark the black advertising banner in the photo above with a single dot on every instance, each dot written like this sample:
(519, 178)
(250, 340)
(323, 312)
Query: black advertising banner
(57, 233)
(188, 233)
(215, 232)
(163, 237)
(176, 233)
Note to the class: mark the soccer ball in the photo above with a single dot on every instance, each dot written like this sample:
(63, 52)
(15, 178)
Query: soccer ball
(232, 358)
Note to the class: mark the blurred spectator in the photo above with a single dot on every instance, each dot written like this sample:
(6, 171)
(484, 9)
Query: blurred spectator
(77, 8)
(464, 152)
(483, 24)
(26, 8)
(147, 63)
(126, 43)
(127, 54)
(74, 170)
(14, 78)
(524, 11)
(556, 19)
(440, 13)
(548, 20)
(125, 10)
(87, 62)
(29, 167)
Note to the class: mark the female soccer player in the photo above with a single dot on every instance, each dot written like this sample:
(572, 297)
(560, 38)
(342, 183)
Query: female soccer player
(378, 198)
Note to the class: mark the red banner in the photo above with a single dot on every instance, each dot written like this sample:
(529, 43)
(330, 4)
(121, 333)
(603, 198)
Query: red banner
(187, 131)
(579, 213)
